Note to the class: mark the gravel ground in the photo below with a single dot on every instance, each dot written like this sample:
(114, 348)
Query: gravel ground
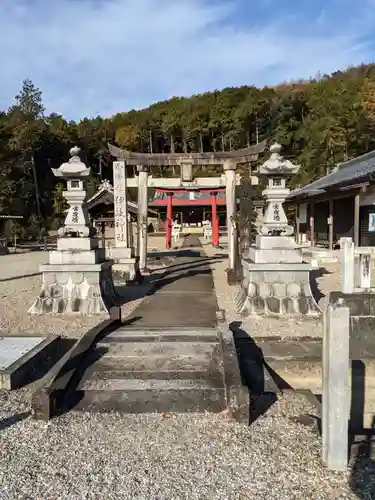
(167, 457)
(20, 283)
(159, 457)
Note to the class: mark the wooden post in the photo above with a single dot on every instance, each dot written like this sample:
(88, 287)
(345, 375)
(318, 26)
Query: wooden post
(297, 225)
(214, 224)
(159, 223)
(169, 221)
(330, 225)
(356, 219)
(229, 167)
(103, 234)
(312, 224)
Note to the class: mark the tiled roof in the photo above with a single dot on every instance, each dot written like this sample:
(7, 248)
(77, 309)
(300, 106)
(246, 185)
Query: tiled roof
(352, 171)
(107, 193)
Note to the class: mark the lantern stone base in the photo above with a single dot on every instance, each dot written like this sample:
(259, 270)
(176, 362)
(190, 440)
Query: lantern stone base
(275, 249)
(76, 288)
(276, 289)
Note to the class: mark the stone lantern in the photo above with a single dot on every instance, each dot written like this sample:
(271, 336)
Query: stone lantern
(75, 172)
(77, 278)
(275, 279)
(276, 169)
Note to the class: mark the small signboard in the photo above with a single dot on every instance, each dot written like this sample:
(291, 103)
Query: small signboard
(371, 222)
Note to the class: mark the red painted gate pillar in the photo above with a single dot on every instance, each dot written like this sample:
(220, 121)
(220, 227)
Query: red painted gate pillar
(169, 221)
(215, 221)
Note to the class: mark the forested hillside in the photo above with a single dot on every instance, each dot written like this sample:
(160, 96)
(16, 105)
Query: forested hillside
(319, 122)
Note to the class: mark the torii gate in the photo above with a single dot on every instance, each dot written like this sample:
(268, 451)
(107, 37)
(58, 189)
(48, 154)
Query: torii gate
(186, 161)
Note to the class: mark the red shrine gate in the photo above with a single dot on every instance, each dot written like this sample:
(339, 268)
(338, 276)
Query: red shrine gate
(209, 198)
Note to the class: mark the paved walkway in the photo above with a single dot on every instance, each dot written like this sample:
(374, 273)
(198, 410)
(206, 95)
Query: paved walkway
(184, 296)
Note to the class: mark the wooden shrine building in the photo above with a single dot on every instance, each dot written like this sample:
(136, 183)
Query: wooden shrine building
(341, 204)
(191, 207)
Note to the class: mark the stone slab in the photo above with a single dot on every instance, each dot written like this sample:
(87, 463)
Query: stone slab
(162, 335)
(288, 267)
(118, 254)
(201, 375)
(77, 256)
(149, 349)
(154, 401)
(24, 357)
(66, 244)
(156, 362)
(125, 270)
(75, 268)
(14, 348)
(125, 384)
(274, 242)
(275, 255)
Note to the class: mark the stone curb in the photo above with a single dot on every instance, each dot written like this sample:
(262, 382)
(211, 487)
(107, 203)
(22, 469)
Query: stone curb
(53, 392)
(237, 394)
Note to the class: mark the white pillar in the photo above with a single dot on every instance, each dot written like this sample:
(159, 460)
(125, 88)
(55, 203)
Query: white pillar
(347, 265)
(336, 394)
(230, 189)
(142, 215)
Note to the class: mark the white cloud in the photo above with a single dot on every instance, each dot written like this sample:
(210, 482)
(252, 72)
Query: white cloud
(104, 56)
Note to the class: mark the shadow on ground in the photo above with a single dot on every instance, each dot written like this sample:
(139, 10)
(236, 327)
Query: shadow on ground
(362, 476)
(361, 441)
(13, 419)
(256, 375)
(315, 274)
(64, 390)
(161, 278)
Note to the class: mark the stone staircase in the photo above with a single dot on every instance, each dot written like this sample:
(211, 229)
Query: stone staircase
(154, 370)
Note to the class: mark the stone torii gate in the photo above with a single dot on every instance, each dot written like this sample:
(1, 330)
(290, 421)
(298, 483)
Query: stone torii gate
(186, 161)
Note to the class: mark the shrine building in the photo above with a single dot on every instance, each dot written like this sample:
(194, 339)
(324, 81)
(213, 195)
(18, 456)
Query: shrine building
(190, 208)
(340, 204)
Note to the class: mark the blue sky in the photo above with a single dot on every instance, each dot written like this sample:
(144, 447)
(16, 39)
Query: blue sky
(94, 57)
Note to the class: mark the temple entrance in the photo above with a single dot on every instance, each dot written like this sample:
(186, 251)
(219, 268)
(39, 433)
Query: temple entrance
(171, 187)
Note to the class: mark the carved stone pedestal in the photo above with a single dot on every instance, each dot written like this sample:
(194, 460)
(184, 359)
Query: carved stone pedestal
(76, 288)
(277, 290)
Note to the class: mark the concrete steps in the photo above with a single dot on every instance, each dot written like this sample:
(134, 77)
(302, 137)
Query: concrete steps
(156, 370)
